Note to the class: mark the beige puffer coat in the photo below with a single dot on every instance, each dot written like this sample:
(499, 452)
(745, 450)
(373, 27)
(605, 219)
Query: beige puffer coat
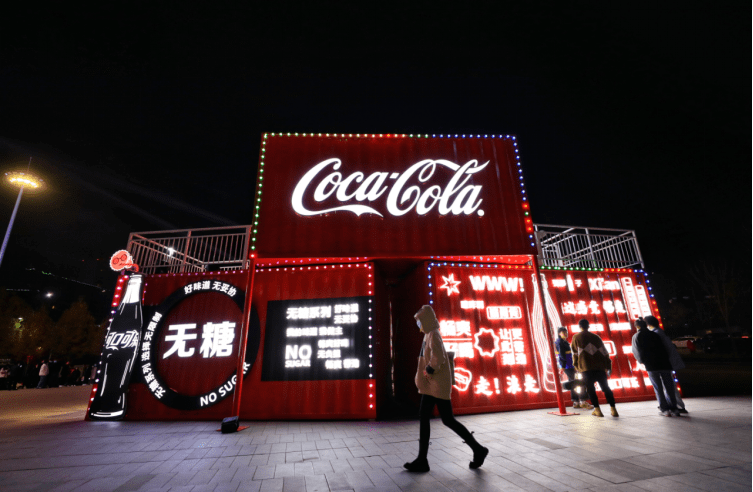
(439, 384)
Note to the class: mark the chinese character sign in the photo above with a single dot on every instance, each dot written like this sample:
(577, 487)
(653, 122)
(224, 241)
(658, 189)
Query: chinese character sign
(483, 318)
(190, 344)
(611, 302)
(493, 319)
(318, 339)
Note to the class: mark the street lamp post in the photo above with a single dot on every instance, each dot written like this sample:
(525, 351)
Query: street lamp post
(21, 180)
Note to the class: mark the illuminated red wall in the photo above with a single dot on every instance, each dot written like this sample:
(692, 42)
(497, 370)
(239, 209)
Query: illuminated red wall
(499, 225)
(196, 375)
(309, 399)
(491, 317)
(325, 199)
(188, 375)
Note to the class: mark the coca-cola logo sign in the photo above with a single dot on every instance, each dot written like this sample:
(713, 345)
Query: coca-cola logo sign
(440, 186)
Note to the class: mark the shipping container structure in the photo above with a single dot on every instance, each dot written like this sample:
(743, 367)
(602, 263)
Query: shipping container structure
(351, 235)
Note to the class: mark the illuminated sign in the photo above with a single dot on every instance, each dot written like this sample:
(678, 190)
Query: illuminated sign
(318, 339)
(123, 260)
(115, 341)
(508, 284)
(430, 195)
(455, 197)
(451, 285)
(214, 339)
(218, 339)
(494, 322)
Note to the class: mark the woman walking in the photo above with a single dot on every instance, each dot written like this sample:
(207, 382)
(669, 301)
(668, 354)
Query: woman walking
(434, 383)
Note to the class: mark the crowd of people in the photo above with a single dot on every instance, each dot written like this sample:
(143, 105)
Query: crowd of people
(584, 361)
(587, 356)
(45, 374)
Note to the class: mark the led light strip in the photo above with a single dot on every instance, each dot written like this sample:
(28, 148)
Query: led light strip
(259, 184)
(341, 266)
(262, 263)
(585, 269)
(525, 206)
(382, 135)
(115, 301)
(220, 272)
(469, 265)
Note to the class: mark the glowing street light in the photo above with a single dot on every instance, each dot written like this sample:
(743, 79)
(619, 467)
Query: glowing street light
(22, 180)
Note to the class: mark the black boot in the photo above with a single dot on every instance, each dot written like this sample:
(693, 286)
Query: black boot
(479, 455)
(419, 465)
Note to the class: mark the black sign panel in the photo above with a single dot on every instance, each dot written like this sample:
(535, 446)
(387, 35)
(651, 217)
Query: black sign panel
(318, 339)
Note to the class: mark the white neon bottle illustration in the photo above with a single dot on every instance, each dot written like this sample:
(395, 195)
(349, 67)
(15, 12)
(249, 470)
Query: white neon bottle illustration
(119, 355)
(539, 333)
(643, 304)
(631, 298)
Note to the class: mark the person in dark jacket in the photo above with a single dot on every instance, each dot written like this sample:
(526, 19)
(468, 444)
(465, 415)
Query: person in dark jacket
(591, 359)
(674, 357)
(648, 349)
(565, 361)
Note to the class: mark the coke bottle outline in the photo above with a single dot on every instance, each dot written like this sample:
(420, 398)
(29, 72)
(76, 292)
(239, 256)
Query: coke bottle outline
(539, 335)
(124, 334)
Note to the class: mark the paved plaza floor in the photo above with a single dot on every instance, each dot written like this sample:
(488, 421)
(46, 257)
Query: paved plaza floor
(46, 446)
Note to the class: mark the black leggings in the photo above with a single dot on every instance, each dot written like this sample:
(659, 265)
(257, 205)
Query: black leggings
(591, 377)
(445, 412)
(571, 377)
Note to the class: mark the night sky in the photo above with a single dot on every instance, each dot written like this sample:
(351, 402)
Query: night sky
(145, 117)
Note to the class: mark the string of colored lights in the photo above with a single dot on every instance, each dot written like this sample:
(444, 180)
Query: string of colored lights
(262, 153)
(468, 265)
(341, 266)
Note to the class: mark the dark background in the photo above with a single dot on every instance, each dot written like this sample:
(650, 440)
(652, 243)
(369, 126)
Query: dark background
(143, 116)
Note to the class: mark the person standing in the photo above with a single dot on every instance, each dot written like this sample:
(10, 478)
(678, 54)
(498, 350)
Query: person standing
(591, 359)
(565, 361)
(14, 375)
(674, 358)
(44, 372)
(64, 374)
(434, 383)
(649, 350)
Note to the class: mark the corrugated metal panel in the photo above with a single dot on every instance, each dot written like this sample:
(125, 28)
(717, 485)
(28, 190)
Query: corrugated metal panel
(197, 375)
(491, 317)
(493, 222)
(345, 398)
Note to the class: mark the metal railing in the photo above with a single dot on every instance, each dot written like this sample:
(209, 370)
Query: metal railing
(589, 247)
(226, 248)
(190, 250)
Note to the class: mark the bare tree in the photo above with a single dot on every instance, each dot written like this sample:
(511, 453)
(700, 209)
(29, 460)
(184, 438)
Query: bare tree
(719, 282)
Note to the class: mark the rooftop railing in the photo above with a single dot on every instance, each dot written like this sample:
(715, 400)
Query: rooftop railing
(589, 247)
(226, 248)
(190, 250)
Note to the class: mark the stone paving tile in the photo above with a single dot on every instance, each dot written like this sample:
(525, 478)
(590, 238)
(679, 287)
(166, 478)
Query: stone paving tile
(706, 482)
(264, 472)
(272, 485)
(316, 483)
(338, 481)
(664, 484)
(530, 450)
(731, 473)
